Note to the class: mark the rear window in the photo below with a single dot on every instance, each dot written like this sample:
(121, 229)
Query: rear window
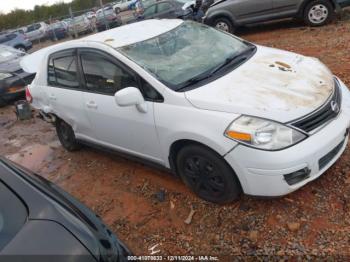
(13, 215)
(62, 72)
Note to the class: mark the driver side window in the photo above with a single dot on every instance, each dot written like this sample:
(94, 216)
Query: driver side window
(103, 76)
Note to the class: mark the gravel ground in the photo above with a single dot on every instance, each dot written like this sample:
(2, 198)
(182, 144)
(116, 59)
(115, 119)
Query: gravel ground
(146, 206)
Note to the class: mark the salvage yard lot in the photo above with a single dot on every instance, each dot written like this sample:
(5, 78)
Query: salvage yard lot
(129, 196)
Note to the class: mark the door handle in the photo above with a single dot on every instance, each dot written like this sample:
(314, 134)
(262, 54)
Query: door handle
(52, 97)
(91, 104)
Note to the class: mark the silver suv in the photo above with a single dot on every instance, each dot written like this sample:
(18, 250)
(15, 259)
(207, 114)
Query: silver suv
(229, 14)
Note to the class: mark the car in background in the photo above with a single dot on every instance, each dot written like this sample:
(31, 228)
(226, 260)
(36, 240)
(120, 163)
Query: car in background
(227, 15)
(90, 15)
(41, 222)
(57, 31)
(37, 31)
(165, 9)
(226, 115)
(21, 30)
(16, 40)
(12, 78)
(80, 25)
(121, 5)
(107, 18)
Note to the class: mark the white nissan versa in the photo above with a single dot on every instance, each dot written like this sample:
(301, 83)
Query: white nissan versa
(226, 115)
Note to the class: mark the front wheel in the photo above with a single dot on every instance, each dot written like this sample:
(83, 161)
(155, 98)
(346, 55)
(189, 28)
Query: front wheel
(66, 136)
(224, 24)
(318, 13)
(207, 174)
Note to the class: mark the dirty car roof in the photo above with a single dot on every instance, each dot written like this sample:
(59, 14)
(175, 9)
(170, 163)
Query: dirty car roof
(136, 32)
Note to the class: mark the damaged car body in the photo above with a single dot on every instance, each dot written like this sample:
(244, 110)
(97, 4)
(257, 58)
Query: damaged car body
(12, 78)
(226, 115)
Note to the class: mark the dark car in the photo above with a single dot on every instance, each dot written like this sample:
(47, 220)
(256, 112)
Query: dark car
(16, 40)
(227, 15)
(12, 78)
(41, 222)
(107, 18)
(57, 31)
(165, 9)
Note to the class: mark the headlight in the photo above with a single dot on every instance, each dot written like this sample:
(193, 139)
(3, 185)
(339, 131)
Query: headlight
(263, 134)
(5, 75)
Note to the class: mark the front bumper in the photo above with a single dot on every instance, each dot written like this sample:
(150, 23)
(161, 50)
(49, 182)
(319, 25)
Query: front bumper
(261, 173)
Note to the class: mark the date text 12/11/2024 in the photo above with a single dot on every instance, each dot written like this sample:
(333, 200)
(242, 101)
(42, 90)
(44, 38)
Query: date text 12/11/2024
(173, 258)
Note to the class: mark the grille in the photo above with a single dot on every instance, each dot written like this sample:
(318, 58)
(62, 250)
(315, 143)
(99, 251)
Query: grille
(328, 158)
(326, 113)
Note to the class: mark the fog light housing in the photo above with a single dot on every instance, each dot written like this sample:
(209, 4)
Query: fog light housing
(297, 176)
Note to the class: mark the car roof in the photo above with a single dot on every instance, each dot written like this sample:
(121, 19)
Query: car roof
(117, 37)
(136, 32)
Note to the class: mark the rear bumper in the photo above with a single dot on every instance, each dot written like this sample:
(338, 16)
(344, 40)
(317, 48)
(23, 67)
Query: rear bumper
(262, 173)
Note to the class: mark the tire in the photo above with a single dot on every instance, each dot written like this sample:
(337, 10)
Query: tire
(207, 174)
(117, 10)
(21, 48)
(318, 13)
(224, 24)
(66, 136)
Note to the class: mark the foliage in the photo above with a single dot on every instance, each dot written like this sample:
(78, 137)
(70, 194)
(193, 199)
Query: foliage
(59, 10)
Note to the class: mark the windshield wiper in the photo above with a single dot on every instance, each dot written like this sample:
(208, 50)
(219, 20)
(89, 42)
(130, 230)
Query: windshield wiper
(232, 60)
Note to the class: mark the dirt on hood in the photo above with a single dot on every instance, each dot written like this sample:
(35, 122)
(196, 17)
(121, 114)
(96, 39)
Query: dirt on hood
(274, 84)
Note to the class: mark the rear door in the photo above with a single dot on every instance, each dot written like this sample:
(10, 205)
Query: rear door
(249, 10)
(121, 128)
(65, 92)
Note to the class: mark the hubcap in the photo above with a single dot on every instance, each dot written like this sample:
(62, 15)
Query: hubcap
(318, 14)
(204, 176)
(222, 26)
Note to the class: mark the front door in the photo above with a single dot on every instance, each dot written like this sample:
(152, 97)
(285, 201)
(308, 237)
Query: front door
(121, 128)
(250, 10)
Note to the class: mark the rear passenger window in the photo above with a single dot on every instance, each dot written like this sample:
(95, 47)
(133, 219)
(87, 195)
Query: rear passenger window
(103, 76)
(13, 215)
(62, 72)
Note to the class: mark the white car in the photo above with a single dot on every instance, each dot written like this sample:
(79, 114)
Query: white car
(37, 31)
(121, 5)
(226, 115)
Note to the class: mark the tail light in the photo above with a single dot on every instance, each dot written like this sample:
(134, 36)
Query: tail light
(29, 97)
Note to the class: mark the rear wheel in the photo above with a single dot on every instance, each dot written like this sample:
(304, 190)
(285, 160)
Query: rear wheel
(224, 24)
(117, 10)
(66, 136)
(318, 13)
(207, 174)
(21, 48)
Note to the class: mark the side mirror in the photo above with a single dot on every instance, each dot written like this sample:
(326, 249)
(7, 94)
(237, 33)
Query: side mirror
(131, 96)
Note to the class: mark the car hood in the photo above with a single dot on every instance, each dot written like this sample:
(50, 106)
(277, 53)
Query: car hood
(273, 84)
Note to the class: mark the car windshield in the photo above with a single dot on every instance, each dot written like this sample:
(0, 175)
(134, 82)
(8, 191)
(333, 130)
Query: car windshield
(8, 54)
(184, 53)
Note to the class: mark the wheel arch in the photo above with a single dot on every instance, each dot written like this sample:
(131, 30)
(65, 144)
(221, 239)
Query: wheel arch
(220, 14)
(177, 145)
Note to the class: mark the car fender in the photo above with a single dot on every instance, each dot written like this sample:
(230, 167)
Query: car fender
(305, 2)
(189, 123)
